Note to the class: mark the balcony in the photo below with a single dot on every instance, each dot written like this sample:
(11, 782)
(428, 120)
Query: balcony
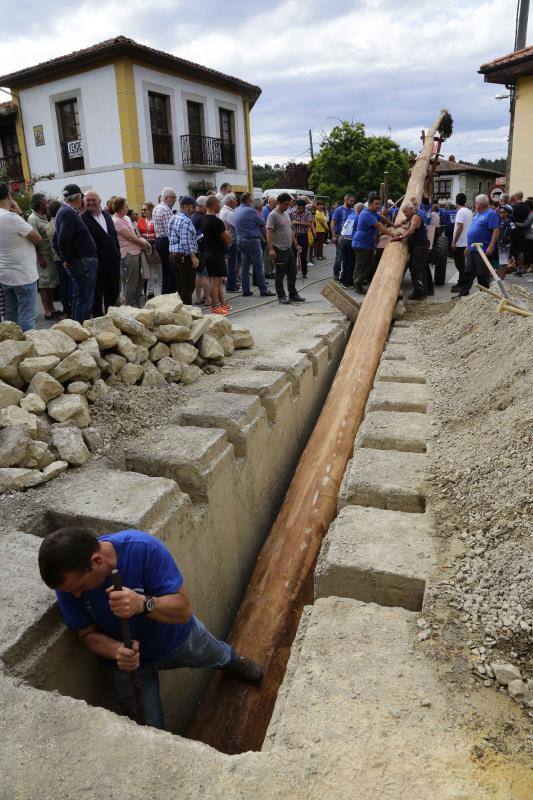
(206, 153)
(11, 169)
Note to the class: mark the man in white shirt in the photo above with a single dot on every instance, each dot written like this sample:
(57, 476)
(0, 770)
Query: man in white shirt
(18, 263)
(463, 220)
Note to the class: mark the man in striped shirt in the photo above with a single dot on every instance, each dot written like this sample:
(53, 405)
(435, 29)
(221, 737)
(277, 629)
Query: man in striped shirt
(183, 247)
(161, 216)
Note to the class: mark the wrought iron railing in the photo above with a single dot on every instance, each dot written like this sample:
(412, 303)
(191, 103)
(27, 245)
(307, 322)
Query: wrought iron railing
(163, 150)
(207, 151)
(11, 168)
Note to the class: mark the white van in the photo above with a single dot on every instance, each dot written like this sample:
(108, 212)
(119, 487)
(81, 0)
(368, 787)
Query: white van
(293, 192)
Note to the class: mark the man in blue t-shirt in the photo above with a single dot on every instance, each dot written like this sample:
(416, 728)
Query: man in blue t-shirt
(370, 223)
(165, 632)
(485, 230)
(338, 218)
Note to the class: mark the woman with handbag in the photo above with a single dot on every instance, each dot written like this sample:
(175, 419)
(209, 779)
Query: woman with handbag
(131, 248)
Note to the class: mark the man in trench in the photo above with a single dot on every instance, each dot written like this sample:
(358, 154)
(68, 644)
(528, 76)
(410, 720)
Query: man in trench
(166, 633)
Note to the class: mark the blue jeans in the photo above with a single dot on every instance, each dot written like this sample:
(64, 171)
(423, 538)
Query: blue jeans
(251, 251)
(21, 304)
(83, 272)
(200, 649)
(232, 268)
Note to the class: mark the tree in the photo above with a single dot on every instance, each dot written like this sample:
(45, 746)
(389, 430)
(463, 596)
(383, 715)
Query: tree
(267, 176)
(294, 176)
(498, 164)
(351, 161)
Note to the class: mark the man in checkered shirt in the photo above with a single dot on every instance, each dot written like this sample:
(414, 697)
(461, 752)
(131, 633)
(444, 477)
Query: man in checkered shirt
(161, 216)
(183, 247)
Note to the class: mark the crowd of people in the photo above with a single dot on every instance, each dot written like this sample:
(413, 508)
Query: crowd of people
(504, 228)
(91, 256)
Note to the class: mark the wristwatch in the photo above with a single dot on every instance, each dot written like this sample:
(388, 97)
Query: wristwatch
(149, 604)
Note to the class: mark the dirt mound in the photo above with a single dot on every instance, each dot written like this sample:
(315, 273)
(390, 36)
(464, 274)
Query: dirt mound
(482, 458)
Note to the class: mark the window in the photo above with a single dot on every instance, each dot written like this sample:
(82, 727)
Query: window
(197, 146)
(68, 124)
(161, 128)
(227, 137)
(443, 188)
(480, 187)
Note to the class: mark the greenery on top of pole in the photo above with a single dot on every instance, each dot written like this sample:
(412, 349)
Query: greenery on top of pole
(446, 124)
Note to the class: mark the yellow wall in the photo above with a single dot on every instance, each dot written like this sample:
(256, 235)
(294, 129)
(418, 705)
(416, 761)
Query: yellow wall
(247, 133)
(129, 131)
(522, 155)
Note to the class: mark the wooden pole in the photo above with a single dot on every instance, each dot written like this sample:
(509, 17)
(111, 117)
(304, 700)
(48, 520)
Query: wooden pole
(234, 716)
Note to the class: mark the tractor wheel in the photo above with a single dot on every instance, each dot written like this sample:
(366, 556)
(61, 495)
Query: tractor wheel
(440, 257)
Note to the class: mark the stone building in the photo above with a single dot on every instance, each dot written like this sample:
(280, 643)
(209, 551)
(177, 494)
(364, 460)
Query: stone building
(452, 177)
(125, 119)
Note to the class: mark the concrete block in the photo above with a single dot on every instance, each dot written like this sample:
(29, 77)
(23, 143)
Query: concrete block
(190, 456)
(333, 335)
(317, 352)
(353, 690)
(392, 430)
(410, 397)
(399, 372)
(377, 556)
(400, 335)
(385, 479)
(294, 365)
(110, 500)
(272, 388)
(239, 415)
(400, 352)
(24, 598)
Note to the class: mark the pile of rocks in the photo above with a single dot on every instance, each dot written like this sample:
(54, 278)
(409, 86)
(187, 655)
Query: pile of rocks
(49, 377)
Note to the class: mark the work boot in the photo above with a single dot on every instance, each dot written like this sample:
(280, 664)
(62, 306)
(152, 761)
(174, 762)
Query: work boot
(297, 298)
(246, 669)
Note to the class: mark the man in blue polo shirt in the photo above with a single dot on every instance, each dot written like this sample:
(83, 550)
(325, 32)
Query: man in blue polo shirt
(364, 241)
(166, 634)
(485, 230)
(338, 218)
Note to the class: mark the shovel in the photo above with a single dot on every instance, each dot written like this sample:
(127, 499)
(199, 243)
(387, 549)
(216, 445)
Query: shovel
(128, 642)
(491, 269)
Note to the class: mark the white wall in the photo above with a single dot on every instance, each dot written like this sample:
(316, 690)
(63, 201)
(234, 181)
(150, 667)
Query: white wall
(180, 90)
(106, 183)
(99, 122)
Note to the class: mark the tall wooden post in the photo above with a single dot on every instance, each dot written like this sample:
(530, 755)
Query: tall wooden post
(234, 716)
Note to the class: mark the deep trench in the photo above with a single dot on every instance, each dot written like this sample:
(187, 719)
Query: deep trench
(50, 657)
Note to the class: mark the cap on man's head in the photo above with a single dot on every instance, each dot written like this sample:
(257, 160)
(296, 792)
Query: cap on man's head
(72, 189)
(187, 201)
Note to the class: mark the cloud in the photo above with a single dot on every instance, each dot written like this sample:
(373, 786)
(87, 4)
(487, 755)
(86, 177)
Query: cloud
(384, 63)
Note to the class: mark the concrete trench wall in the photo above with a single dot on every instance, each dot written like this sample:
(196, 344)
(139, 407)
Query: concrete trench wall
(209, 485)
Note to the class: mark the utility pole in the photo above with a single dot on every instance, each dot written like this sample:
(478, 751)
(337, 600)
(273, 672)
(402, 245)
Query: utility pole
(521, 25)
(519, 43)
(311, 148)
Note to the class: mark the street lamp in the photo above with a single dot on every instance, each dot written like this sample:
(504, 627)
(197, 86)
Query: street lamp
(502, 96)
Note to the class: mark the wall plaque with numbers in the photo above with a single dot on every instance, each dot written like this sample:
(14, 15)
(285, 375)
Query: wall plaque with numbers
(75, 149)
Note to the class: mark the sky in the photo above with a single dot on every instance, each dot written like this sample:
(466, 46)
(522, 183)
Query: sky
(390, 64)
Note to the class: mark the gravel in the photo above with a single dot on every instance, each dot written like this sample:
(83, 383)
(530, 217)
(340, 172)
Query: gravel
(480, 483)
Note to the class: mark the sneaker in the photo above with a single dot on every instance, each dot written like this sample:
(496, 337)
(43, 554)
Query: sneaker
(455, 288)
(246, 669)
(310, 264)
(296, 298)
(284, 301)
(226, 306)
(219, 310)
(268, 293)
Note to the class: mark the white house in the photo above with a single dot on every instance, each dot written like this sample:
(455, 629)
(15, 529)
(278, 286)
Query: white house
(125, 119)
(452, 177)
